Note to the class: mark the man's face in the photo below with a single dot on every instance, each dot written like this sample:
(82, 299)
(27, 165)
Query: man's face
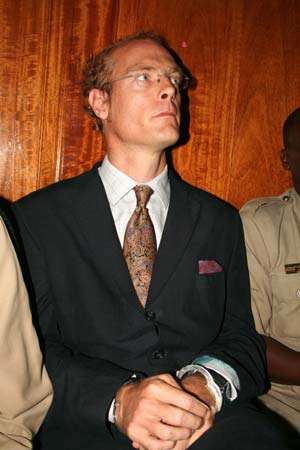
(142, 115)
(290, 156)
(293, 155)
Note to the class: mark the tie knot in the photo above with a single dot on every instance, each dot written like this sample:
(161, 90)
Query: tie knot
(143, 193)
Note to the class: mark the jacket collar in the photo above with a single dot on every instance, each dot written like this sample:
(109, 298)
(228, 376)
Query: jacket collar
(92, 211)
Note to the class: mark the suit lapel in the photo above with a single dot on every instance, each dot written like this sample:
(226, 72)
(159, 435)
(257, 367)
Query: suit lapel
(92, 212)
(90, 209)
(182, 218)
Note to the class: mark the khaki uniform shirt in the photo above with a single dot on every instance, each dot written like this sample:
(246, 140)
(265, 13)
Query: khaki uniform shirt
(25, 389)
(272, 235)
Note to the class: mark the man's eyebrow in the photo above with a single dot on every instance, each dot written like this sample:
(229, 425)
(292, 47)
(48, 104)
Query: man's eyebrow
(138, 67)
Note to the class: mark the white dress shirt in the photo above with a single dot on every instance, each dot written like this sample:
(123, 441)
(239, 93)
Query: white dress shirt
(122, 198)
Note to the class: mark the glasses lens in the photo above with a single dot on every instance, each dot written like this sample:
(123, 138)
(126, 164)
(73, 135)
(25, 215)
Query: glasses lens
(184, 83)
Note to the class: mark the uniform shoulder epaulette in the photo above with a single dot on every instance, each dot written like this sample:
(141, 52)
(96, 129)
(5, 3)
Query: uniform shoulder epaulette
(259, 204)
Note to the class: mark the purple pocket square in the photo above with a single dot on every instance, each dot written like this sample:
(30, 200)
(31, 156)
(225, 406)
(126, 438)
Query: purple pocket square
(208, 266)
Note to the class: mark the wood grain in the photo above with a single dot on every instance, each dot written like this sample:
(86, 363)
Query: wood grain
(244, 55)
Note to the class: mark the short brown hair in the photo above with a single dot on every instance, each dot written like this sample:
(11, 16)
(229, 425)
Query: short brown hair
(98, 68)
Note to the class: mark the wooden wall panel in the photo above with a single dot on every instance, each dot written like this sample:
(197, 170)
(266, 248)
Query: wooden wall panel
(245, 56)
(24, 31)
(246, 64)
(269, 89)
(77, 30)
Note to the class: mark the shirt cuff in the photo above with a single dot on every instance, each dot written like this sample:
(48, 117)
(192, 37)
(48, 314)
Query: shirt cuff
(211, 384)
(111, 416)
(224, 370)
(111, 412)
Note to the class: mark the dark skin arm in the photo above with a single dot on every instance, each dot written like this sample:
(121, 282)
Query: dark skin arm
(283, 363)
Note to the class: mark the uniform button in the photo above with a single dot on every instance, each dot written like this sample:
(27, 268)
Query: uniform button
(159, 354)
(286, 198)
(298, 293)
(150, 315)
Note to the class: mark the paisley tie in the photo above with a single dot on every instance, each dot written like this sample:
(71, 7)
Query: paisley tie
(140, 244)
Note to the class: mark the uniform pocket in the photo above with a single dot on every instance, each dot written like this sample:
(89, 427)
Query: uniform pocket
(286, 305)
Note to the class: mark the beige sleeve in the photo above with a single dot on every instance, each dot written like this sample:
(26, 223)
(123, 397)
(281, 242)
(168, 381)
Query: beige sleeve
(258, 264)
(25, 389)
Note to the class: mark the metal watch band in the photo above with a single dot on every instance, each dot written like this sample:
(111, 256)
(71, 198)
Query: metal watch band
(134, 378)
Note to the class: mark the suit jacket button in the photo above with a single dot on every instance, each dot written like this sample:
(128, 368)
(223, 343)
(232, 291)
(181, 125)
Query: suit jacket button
(150, 315)
(159, 354)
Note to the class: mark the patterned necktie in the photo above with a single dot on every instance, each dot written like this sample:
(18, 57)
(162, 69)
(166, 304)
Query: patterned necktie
(140, 244)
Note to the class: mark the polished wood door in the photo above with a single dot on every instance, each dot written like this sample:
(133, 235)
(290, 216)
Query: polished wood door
(244, 54)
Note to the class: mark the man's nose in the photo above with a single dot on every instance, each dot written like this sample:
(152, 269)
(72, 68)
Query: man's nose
(167, 88)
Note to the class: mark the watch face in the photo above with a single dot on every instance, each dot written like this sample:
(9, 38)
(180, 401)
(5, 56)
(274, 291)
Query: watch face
(221, 382)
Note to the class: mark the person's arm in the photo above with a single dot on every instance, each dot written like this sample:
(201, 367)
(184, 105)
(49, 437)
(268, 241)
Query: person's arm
(238, 344)
(25, 389)
(283, 363)
(84, 387)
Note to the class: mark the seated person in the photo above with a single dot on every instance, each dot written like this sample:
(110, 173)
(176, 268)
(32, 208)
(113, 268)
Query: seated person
(25, 389)
(272, 234)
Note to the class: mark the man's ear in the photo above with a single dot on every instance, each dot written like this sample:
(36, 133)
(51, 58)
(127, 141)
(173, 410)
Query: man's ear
(284, 159)
(99, 102)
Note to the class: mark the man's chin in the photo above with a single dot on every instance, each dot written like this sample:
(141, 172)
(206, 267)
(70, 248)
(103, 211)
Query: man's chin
(173, 141)
(170, 137)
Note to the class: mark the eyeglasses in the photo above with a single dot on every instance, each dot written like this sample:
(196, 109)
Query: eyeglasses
(146, 80)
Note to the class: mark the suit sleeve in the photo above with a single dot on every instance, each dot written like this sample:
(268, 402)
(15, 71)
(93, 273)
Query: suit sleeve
(84, 387)
(238, 343)
(25, 388)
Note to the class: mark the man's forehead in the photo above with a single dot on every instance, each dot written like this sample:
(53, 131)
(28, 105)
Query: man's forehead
(293, 138)
(142, 54)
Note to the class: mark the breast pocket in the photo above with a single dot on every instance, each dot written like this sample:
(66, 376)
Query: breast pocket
(286, 305)
(208, 298)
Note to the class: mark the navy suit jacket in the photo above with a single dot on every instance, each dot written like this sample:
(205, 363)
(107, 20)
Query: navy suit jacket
(95, 331)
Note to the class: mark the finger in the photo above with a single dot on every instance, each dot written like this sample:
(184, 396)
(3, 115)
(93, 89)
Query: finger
(181, 445)
(198, 433)
(169, 392)
(171, 433)
(155, 425)
(169, 379)
(177, 417)
(152, 443)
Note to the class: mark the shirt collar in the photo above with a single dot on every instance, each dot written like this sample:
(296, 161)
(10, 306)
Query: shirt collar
(117, 184)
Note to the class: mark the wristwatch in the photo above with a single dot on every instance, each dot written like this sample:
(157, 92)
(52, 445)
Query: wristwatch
(134, 378)
(222, 383)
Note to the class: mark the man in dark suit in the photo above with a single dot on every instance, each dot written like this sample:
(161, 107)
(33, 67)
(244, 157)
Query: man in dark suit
(170, 365)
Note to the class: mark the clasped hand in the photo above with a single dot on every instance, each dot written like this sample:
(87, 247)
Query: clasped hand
(158, 413)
